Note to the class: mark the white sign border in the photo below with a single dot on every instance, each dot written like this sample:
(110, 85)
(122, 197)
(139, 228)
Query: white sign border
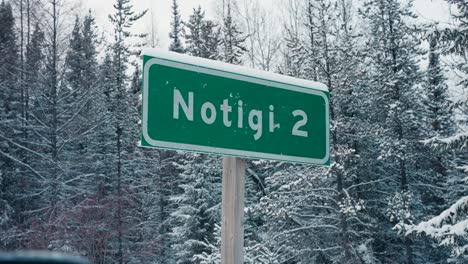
(224, 151)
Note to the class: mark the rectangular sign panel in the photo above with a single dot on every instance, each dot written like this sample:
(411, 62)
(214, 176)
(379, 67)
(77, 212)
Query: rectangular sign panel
(208, 106)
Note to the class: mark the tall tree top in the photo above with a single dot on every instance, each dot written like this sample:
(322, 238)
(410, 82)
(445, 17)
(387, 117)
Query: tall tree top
(7, 22)
(201, 35)
(233, 38)
(8, 47)
(176, 29)
(124, 18)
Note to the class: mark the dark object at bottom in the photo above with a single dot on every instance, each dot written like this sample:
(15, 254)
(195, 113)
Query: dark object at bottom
(39, 257)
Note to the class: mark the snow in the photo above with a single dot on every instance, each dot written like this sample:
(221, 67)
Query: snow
(443, 225)
(173, 56)
(366, 254)
(459, 137)
(463, 168)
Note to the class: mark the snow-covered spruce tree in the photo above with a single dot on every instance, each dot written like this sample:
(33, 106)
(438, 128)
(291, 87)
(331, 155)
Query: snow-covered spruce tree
(293, 51)
(50, 118)
(74, 58)
(298, 214)
(176, 29)
(232, 38)
(168, 166)
(338, 61)
(329, 210)
(198, 202)
(437, 164)
(397, 111)
(202, 36)
(33, 59)
(9, 129)
(299, 51)
(48, 135)
(93, 215)
(145, 237)
(125, 170)
(9, 73)
(69, 106)
(26, 12)
(453, 38)
(198, 208)
(88, 155)
(448, 228)
(211, 35)
(25, 200)
(438, 104)
(293, 55)
(92, 116)
(193, 32)
(339, 64)
(311, 40)
(287, 232)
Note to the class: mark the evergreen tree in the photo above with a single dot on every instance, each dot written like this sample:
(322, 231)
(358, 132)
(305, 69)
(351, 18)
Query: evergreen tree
(232, 39)
(72, 178)
(454, 38)
(34, 58)
(176, 30)
(198, 209)
(197, 204)
(75, 57)
(448, 228)
(8, 71)
(169, 167)
(45, 138)
(89, 165)
(10, 107)
(339, 58)
(439, 124)
(9, 57)
(398, 115)
(211, 36)
(329, 53)
(57, 106)
(202, 36)
(124, 119)
(293, 53)
(438, 104)
(193, 32)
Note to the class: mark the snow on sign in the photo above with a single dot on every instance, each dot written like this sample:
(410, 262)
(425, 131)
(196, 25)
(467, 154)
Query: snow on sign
(208, 106)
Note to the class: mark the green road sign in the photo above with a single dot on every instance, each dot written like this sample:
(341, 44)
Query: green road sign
(208, 106)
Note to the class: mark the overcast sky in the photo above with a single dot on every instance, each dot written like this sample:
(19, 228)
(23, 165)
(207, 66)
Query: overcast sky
(160, 9)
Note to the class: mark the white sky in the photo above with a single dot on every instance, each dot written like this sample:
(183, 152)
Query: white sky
(160, 9)
(161, 12)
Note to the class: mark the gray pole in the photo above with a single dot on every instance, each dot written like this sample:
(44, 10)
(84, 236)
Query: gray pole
(232, 211)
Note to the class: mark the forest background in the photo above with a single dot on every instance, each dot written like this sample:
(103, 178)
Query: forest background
(73, 179)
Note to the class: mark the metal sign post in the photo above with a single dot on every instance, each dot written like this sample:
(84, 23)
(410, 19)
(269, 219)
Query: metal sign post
(232, 211)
